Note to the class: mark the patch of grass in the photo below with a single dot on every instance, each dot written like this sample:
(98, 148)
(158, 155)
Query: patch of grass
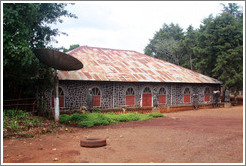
(96, 119)
(64, 118)
(18, 122)
(78, 117)
(156, 114)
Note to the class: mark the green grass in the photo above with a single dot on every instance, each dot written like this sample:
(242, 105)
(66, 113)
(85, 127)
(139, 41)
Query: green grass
(12, 119)
(16, 121)
(96, 119)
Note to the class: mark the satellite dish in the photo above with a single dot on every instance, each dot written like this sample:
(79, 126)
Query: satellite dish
(58, 60)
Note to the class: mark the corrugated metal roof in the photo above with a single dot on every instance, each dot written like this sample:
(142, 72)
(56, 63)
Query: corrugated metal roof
(102, 64)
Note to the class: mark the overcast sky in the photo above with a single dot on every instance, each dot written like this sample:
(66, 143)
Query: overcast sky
(129, 25)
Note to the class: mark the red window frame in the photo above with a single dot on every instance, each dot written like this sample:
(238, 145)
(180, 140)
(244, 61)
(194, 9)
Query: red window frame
(206, 95)
(96, 97)
(130, 97)
(187, 97)
(61, 101)
(162, 99)
(61, 98)
(96, 101)
(147, 98)
(130, 100)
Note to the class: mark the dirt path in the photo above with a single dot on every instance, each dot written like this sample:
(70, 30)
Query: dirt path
(203, 136)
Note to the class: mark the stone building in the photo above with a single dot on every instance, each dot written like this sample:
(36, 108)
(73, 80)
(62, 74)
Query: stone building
(124, 78)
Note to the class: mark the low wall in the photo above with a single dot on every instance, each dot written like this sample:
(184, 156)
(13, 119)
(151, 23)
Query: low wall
(145, 110)
(175, 108)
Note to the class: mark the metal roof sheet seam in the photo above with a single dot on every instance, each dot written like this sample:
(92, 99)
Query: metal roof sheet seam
(104, 64)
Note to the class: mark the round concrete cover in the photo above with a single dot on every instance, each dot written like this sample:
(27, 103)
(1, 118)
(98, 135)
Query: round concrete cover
(58, 60)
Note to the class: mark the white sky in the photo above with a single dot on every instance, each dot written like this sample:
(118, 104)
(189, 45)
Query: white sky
(129, 25)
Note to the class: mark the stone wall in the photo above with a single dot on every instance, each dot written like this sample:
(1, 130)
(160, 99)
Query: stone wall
(113, 93)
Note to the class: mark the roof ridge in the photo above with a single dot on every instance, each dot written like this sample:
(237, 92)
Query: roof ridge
(107, 48)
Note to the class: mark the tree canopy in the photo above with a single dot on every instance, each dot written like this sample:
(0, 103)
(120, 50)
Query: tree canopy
(26, 26)
(214, 49)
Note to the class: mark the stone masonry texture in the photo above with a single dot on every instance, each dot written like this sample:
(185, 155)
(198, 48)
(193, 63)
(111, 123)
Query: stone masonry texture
(113, 94)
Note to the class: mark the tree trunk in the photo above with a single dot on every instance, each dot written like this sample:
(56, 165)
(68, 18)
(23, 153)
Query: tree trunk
(191, 67)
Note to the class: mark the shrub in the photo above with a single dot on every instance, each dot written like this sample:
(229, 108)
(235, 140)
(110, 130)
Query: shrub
(64, 118)
(99, 119)
(96, 110)
(15, 114)
(78, 117)
(95, 118)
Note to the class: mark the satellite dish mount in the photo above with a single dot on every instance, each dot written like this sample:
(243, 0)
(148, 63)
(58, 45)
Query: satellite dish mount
(58, 61)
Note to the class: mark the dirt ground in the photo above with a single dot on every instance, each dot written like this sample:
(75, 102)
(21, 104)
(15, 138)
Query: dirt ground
(203, 136)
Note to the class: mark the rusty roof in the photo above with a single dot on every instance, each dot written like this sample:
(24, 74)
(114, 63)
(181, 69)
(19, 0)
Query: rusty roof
(103, 64)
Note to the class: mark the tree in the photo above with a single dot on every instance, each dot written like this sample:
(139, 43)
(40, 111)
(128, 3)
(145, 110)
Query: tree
(215, 49)
(205, 60)
(26, 27)
(73, 46)
(220, 49)
(229, 61)
(188, 47)
(165, 43)
(233, 9)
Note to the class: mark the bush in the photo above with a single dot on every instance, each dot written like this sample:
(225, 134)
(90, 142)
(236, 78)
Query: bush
(64, 118)
(95, 118)
(78, 117)
(16, 121)
(15, 114)
(96, 110)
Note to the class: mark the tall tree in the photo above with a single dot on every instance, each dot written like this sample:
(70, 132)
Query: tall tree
(214, 49)
(26, 27)
(205, 60)
(233, 9)
(220, 52)
(165, 43)
(188, 47)
(229, 61)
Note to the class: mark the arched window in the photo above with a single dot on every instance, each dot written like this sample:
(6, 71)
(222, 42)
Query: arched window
(187, 95)
(206, 94)
(162, 96)
(61, 97)
(147, 97)
(130, 96)
(96, 97)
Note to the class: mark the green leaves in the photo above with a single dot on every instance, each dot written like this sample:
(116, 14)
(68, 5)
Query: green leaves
(26, 27)
(165, 43)
(215, 49)
(95, 119)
